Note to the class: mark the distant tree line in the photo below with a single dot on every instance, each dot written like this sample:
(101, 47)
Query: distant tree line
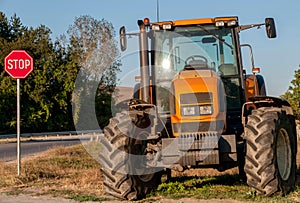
(88, 50)
(292, 95)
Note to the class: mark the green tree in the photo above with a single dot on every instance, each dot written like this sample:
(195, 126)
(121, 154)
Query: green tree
(45, 100)
(292, 95)
(93, 47)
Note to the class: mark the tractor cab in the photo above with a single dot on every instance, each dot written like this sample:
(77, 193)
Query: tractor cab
(196, 45)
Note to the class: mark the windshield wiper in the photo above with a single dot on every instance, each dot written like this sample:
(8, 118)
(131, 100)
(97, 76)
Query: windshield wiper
(214, 36)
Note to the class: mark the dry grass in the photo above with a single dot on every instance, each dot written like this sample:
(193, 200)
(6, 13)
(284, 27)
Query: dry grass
(71, 172)
(62, 171)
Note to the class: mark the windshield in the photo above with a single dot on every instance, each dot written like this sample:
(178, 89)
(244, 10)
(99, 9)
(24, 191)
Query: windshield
(206, 47)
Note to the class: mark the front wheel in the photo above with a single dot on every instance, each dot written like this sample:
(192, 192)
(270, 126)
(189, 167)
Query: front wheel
(271, 147)
(125, 177)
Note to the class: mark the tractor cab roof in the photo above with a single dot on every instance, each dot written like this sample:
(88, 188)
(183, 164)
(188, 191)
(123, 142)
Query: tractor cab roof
(218, 21)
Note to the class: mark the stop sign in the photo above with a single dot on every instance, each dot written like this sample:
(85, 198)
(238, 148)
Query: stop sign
(18, 64)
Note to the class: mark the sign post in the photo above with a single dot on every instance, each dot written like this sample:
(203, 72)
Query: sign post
(18, 128)
(18, 64)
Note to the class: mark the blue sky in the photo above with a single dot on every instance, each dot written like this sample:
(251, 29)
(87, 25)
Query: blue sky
(278, 58)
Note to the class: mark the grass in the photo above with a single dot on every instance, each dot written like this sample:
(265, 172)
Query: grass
(70, 172)
(217, 187)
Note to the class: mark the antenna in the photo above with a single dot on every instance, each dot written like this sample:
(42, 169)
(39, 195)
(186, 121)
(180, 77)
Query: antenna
(157, 10)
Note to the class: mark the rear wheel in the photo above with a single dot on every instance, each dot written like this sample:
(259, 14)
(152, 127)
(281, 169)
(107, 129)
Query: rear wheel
(125, 176)
(270, 164)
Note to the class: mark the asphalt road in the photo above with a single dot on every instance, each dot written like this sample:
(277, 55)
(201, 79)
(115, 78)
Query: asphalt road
(8, 151)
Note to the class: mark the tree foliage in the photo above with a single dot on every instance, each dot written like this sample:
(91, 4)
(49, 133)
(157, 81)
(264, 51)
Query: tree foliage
(292, 95)
(94, 49)
(46, 94)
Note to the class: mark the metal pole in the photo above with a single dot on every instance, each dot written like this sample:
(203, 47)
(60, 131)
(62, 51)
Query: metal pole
(157, 10)
(144, 62)
(253, 66)
(18, 127)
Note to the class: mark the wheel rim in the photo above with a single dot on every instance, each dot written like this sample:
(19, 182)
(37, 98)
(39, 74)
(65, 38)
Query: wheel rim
(283, 152)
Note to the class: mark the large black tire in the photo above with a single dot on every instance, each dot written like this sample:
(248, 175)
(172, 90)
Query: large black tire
(271, 146)
(118, 164)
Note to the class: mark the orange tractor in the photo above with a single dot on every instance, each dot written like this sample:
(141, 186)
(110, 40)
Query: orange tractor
(195, 107)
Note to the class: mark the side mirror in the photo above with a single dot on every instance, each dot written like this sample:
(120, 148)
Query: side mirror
(270, 27)
(123, 39)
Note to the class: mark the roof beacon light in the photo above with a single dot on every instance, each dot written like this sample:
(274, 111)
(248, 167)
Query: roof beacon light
(220, 23)
(138, 78)
(255, 70)
(146, 21)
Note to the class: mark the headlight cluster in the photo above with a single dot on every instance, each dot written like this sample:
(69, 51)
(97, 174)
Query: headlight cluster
(206, 110)
(197, 110)
(221, 23)
(189, 111)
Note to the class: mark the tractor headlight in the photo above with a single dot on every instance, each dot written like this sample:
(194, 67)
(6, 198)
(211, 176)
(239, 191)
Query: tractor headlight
(231, 23)
(189, 111)
(197, 110)
(220, 23)
(206, 110)
(155, 27)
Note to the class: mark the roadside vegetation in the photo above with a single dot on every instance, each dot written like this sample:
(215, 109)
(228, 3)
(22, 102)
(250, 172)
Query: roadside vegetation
(72, 173)
(66, 172)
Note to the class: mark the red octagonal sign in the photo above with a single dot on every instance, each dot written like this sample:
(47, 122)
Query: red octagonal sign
(18, 64)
